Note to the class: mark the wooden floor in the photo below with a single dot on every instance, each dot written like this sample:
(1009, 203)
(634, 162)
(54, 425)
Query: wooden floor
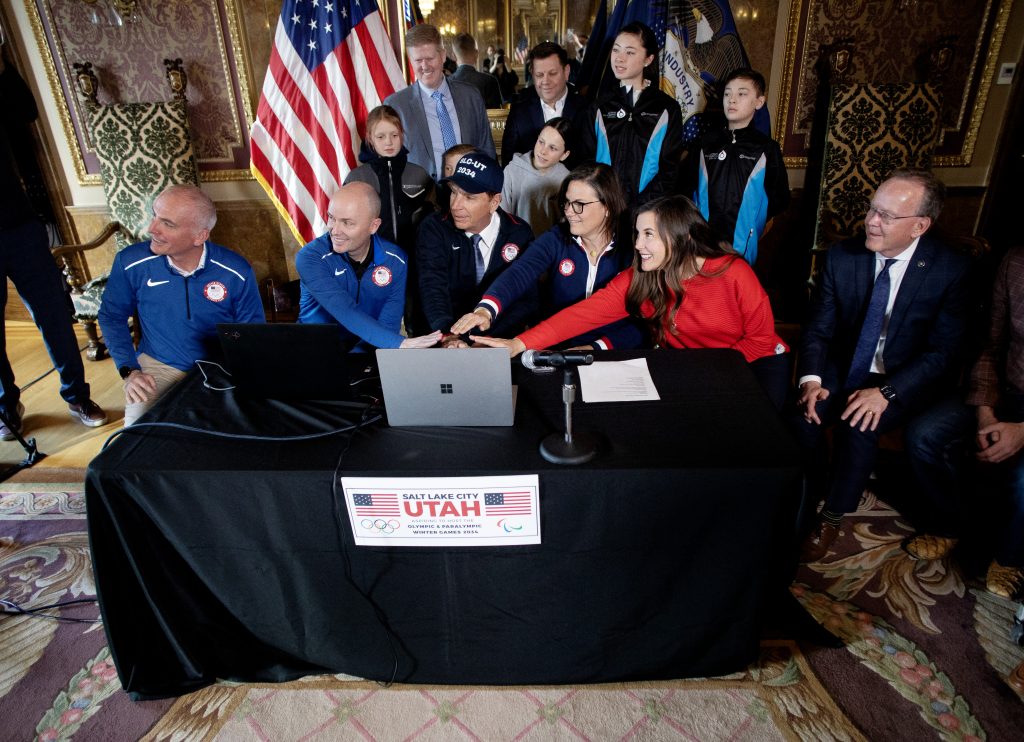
(66, 442)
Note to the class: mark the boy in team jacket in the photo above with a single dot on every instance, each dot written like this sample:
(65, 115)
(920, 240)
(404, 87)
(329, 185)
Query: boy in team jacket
(741, 179)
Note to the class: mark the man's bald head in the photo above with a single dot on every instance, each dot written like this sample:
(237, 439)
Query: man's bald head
(353, 217)
(361, 192)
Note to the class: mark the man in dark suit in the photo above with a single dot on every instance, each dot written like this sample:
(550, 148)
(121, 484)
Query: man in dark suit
(882, 341)
(549, 97)
(437, 113)
(461, 253)
(466, 55)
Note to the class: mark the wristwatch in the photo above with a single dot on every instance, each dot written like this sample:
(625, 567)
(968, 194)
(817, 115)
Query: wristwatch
(888, 392)
(126, 371)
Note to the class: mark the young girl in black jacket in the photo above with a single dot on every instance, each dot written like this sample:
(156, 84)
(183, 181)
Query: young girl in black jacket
(404, 187)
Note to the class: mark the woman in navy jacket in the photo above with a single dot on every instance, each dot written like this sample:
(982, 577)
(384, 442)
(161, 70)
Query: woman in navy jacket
(579, 255)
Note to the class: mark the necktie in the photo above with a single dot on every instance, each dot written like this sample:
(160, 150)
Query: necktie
(871, 330)
(447, 130)
(481, 268)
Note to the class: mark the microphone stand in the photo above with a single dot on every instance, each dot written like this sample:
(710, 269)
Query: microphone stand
(568, 448)
(29, 445)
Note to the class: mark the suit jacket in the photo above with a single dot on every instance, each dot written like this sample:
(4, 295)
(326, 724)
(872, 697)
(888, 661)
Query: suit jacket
(925, 335)
(447, 273)
(526, 119)
(473, 123)
(486, 83)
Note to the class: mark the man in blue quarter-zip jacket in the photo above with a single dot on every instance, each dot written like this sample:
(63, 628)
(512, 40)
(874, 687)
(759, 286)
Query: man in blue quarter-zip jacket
(353, 278)
(181, 286)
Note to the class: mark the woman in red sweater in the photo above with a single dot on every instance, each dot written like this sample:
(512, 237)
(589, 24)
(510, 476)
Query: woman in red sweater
(692, 291)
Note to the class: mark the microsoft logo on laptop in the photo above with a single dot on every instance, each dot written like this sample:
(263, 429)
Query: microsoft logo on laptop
(446, 389)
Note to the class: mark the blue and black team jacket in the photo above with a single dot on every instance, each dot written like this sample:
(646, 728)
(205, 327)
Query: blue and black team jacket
(741, 183)
(179, 314)
(369, 309)
(557, 254)
(643, 142)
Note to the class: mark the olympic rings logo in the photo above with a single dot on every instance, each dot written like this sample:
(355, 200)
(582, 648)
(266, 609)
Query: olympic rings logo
(380, 525)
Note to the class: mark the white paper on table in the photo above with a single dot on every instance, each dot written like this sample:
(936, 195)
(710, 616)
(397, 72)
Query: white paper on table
(617, 381)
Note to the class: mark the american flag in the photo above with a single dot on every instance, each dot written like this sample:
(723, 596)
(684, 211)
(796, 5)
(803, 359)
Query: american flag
(376, 504)
(331, 64)
(507, 503)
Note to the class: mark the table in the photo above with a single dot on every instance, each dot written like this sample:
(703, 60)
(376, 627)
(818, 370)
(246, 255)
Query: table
(219, 558)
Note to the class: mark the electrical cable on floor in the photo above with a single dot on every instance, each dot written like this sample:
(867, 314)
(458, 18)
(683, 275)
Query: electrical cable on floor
(10, 608)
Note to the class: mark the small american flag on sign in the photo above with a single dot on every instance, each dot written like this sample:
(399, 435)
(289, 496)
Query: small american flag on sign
(507, 503)
(377, 504)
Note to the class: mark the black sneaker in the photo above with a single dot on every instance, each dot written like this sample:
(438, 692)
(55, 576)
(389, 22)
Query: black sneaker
(14, 418)
(89, 413)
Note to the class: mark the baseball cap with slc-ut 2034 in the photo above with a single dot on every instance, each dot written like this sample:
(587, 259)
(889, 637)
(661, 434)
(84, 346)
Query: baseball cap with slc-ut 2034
(477, 173)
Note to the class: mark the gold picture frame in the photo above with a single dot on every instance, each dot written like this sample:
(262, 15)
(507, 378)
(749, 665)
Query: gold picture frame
(232, 47)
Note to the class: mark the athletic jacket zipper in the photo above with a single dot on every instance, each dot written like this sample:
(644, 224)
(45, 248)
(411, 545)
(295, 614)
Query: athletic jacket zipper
(188, 306)
(391, 190)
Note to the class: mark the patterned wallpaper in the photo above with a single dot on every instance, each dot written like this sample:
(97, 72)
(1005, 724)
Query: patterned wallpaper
(128, 59)
(892, 42)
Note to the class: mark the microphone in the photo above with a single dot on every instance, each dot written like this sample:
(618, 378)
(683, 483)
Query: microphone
(545, 359)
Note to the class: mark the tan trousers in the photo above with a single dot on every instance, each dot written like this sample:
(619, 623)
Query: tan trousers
(165, 377)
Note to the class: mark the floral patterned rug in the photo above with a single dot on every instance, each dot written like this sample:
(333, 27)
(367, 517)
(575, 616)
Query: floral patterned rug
(927, 648)
(924, 658)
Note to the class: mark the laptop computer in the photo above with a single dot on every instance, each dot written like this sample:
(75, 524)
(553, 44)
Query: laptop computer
(286, 361)
(465, 386)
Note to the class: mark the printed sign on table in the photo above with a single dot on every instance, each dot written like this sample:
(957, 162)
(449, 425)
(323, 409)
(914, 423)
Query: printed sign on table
(443, 511)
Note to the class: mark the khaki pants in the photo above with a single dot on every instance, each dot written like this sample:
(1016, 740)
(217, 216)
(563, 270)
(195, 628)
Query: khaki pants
(165, 377)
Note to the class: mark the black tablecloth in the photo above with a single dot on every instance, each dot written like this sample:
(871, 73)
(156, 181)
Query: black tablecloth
(220, 558)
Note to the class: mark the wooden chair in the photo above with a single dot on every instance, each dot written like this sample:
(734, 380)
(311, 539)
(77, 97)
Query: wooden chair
(142, 148)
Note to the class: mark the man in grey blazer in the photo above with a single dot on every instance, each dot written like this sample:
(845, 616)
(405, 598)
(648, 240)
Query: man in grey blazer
(438, 113)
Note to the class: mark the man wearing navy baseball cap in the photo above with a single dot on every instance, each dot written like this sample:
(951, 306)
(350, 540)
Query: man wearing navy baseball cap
(459, 254)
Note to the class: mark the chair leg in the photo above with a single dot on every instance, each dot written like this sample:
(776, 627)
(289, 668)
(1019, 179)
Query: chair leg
(96, 351)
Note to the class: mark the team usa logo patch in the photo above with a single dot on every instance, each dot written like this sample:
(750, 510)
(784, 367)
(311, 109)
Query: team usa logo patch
(215, 291)
(567, 267)
(381, 275)
(510, 252)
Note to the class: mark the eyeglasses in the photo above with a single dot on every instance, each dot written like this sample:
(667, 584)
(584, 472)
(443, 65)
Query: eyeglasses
(887, 218)
(577, 206)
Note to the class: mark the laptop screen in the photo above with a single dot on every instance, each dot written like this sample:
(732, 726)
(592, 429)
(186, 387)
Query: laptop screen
(286, 361)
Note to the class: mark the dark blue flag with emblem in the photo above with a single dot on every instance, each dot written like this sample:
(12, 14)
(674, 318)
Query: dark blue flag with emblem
(701, 46)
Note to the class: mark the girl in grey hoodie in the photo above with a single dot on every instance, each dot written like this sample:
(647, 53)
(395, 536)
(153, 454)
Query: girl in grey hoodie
(532, 179)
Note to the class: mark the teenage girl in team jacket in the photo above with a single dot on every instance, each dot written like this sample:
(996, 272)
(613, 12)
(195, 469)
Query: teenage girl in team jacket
(635, 127)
